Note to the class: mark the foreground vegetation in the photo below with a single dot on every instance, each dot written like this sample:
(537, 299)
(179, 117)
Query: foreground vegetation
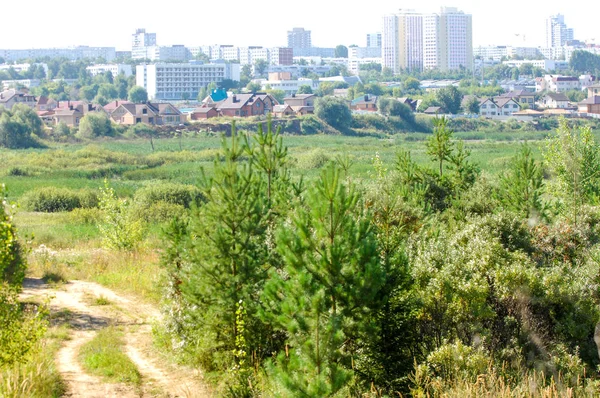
(420, 265)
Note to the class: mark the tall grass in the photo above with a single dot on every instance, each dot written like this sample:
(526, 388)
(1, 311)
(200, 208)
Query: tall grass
(103, 356)
(39, 376)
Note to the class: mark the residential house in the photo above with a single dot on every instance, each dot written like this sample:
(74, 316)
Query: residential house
(367, 103)
(268, 100)
(283, 110)
(9, 98)
(498, 106)
(557, 84)
(242, 105)
(204, 112)
(555, 101)
(434, 110)
(111, 106)
(590, 105)
(593, 90)
(522, 97)
(68, 112)
(45, 104)
(413, 104)
(302, 104)
(149, 113)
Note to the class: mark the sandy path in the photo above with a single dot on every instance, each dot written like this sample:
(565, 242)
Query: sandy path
(75, 299)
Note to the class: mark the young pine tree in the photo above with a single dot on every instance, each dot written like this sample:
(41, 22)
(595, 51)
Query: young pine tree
(439, 146)
(522, 187)
(326, 291)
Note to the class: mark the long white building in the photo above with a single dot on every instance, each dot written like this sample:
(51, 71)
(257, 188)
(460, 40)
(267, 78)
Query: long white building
(165, 81)
(115, 69)
(75, 53)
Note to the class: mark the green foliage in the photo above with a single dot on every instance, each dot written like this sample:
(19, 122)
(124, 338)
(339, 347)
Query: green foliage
(522, 187)
(13, 132)
(304, 89)
(21, 329)
(439, 146)
(391, 107)
(334, 111)
(472, 106)
(12, 256)
(341, 51)
(51, 200)
(95, 125)
(119, 227)
(332, 278)
(177, 194)
(449, 98)
(573, 159)
(138, 95)
(104, 356)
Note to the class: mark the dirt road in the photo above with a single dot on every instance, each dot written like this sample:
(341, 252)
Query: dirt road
(78, 301)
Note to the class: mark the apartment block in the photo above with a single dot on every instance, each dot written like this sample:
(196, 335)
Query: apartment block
(73, 54)
(402, 41)
(115, 69)
(557, 33)
(167, 81)
(454, 41)
(299, 38)
(374, 40)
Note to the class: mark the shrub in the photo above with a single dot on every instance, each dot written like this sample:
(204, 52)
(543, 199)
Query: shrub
(85, 216)
(161, 212)
(310, 125)
(119, 228)
(12, 260)
(314, 159)
(175, 194)
(52, 199)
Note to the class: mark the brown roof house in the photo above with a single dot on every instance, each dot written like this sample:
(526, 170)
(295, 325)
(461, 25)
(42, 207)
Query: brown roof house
(242, 105)
(283, 110)
(9, 98)
(69, 112)
(367, 103)
(302, 104)
(555, 101)
(590, 105)
(204, 112)
(498, 106)
(149, 113)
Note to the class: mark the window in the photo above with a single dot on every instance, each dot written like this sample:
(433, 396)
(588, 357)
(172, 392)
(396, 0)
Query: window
(484, 106)
(145, 111)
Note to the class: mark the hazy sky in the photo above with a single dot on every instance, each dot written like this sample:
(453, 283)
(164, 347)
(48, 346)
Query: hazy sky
(41, 24)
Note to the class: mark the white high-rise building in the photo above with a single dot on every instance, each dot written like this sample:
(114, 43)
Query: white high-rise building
(557, 33)
(299, 38)
(402, 41)
(448, 40)
(374, 40)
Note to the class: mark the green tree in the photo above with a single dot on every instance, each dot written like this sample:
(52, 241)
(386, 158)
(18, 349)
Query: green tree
(411, 84)
(13, 134)
(392, 107)
(472, 105)
(439, 146)
(138, 95)
(334, 111)
(202, 93)
(341, 51)
(260, 67)
(331, 284)
(304, 89)
(88, 92)
(95, 125)
(449, 98)
(27, 116)
(522, 187)
(108, 91)
(253, 87)
(573, 158)
(12, 255)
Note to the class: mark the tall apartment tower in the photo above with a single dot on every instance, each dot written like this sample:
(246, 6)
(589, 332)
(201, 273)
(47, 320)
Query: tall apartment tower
(557, 33)
(402, 41)
(374, 40)
(299, 38)
(448, 40)
(143, 45)
(142, 39)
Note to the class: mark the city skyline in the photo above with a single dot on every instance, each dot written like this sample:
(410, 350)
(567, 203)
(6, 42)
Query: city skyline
(113, 23)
